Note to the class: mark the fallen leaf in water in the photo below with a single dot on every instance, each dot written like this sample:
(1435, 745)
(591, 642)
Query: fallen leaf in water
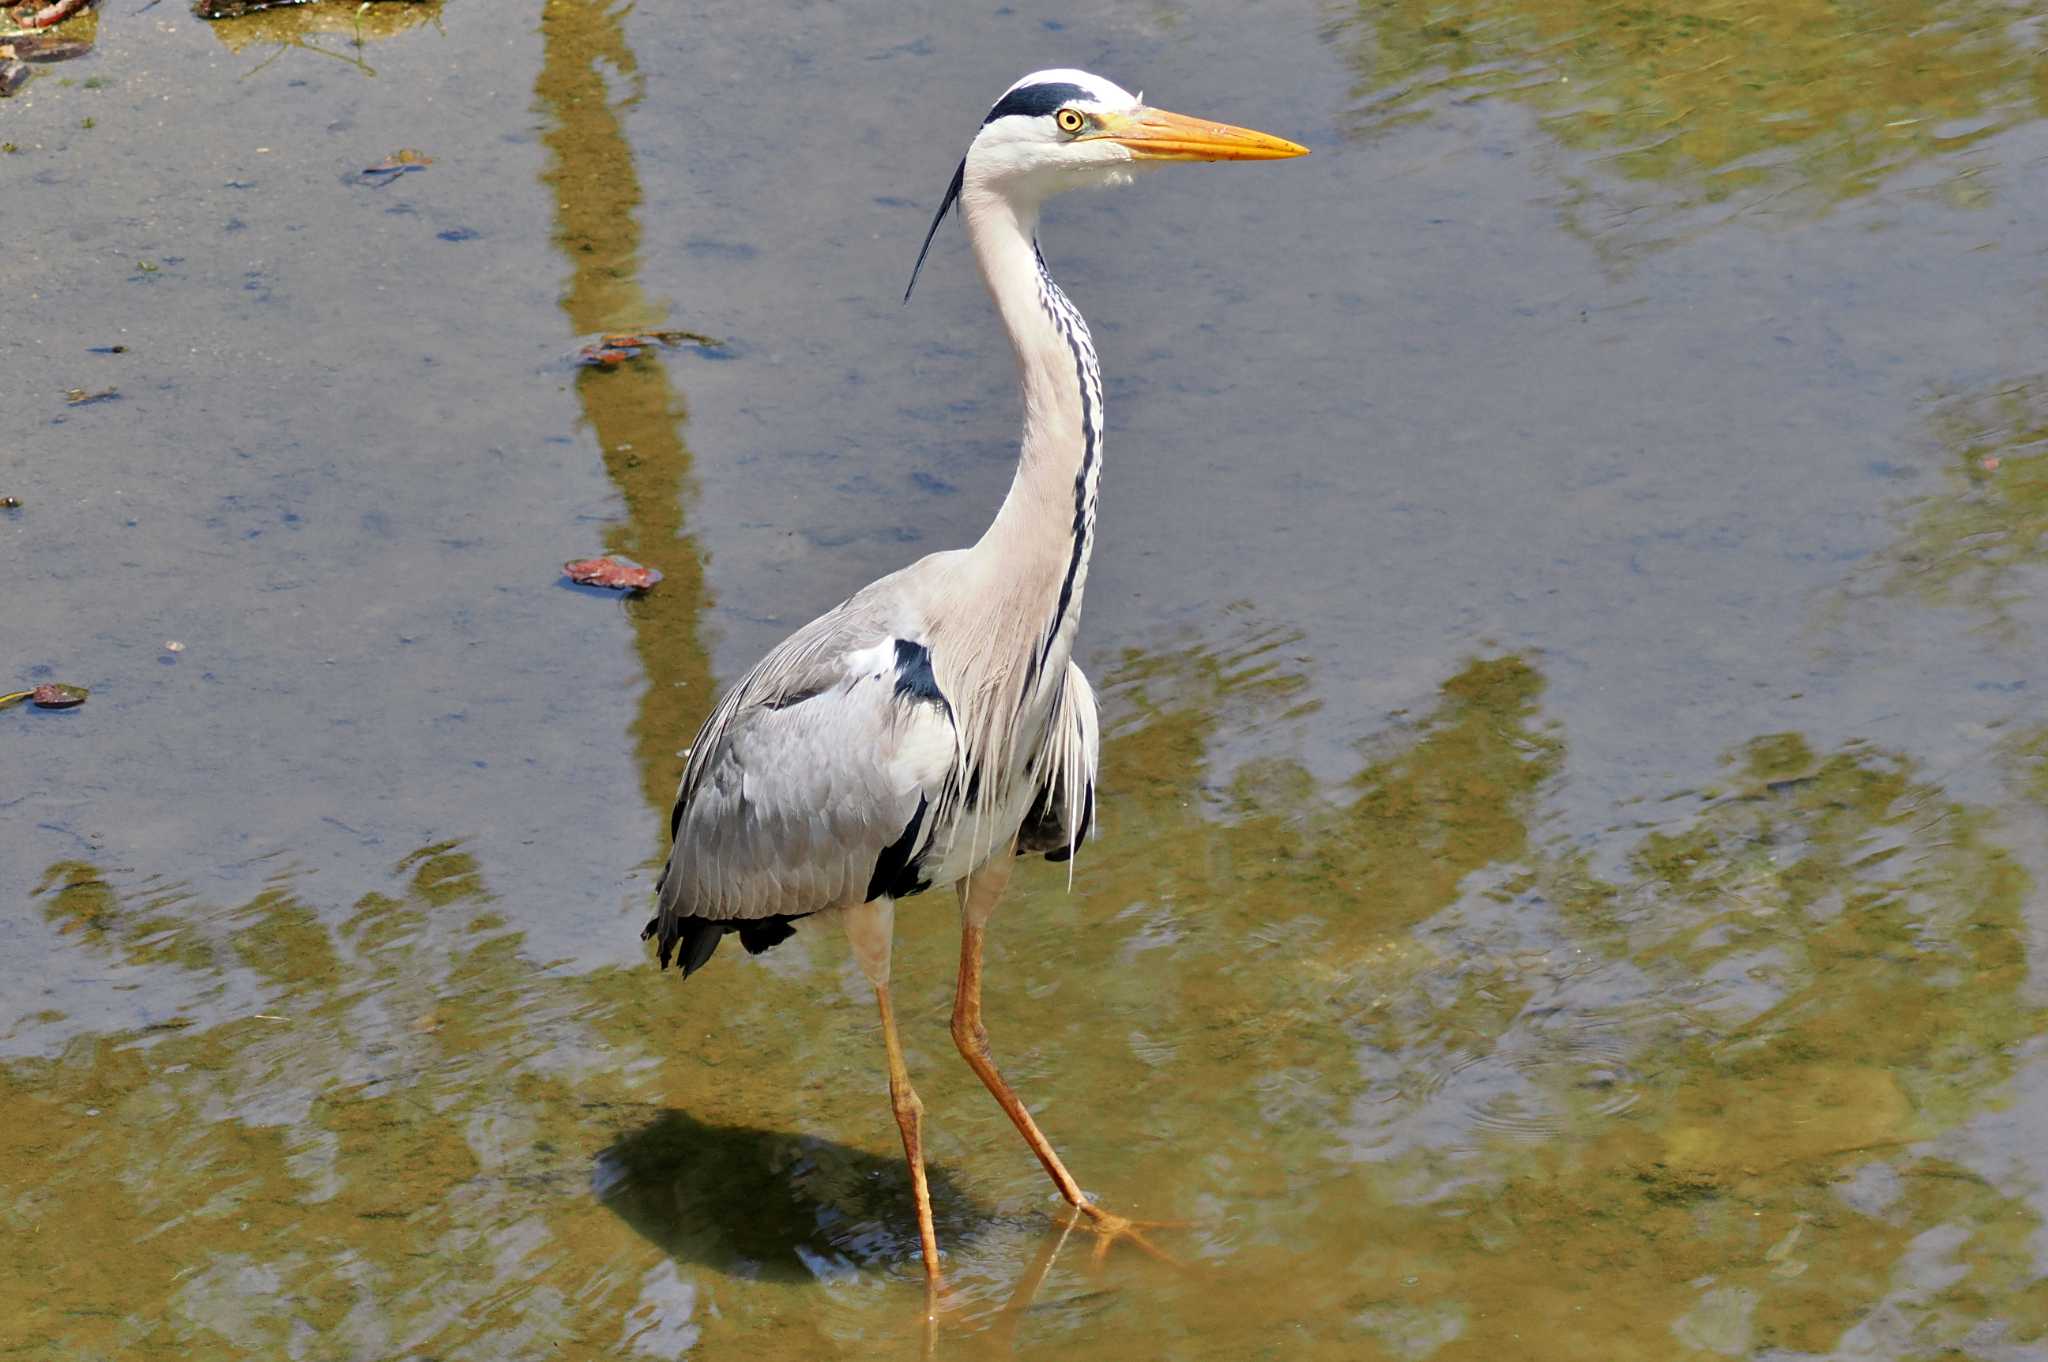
(617, 573)
(49, 695)
(79, 397)
(614, 348)
(398, 162)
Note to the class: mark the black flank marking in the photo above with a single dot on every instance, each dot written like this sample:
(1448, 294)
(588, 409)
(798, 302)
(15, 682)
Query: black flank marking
(1044, 832)
(894, 874)
(1036, 101)
(914, 679)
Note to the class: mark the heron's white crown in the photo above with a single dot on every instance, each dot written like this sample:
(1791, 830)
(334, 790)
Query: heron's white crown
(1023, 149)
(1064, 129)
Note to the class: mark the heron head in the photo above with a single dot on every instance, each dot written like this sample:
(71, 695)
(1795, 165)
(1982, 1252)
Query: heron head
(1058, 130)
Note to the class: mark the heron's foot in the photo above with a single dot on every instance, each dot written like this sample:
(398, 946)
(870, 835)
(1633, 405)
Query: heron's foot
(1110, 1228)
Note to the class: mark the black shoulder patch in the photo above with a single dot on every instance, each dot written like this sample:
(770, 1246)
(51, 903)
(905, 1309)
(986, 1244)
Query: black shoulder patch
(1036, 101)
(895, 872)
(914, 679)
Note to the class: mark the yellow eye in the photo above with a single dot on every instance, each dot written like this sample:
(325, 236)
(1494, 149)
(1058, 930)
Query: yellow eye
(1070, 120)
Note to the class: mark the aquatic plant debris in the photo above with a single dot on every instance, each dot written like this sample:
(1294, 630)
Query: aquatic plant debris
(614, 348)
(79, 397)
(620, 574)
(49, 695)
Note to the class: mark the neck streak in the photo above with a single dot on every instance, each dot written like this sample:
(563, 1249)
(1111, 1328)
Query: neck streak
(1046, 527)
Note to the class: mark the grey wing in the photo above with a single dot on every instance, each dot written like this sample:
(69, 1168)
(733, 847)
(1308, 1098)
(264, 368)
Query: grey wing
(811, 785)
(1063, 813)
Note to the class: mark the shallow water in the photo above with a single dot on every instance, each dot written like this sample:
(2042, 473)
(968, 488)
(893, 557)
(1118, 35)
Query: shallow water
(1568, 620)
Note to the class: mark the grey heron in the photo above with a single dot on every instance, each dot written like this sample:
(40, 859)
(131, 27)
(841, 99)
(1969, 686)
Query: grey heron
(933, 726)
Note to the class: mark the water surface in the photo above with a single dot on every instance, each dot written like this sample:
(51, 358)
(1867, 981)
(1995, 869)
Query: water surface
(1568, 620)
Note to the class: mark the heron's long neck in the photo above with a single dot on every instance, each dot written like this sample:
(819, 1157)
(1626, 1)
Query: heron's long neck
(1047, 522)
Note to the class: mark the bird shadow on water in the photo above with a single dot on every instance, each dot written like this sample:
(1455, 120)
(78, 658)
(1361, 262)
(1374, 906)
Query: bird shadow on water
(772, 1205)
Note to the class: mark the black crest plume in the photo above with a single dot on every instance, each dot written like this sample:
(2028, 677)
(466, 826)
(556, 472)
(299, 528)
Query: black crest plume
(952, 197)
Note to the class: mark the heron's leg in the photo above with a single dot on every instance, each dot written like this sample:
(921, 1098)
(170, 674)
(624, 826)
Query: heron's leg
(979, 894)
(869, 927)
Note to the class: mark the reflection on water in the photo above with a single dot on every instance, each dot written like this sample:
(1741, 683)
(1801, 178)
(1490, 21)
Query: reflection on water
(334, 30)
(1691, 116)
(1417, 1077)
(1983, 539)
(634, 410)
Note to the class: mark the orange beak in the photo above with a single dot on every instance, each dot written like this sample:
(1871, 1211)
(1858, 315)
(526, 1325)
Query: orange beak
(1156, 135)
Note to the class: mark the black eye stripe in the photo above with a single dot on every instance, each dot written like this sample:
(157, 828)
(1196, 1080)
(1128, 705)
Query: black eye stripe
(1036, 101)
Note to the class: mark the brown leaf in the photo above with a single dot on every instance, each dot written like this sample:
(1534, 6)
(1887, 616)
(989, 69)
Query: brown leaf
(50, 695)
(617, 573)
(614, 348)
(400, 161)
(605, 355)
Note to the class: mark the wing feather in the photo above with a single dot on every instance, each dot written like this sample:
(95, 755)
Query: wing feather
(814, 764)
